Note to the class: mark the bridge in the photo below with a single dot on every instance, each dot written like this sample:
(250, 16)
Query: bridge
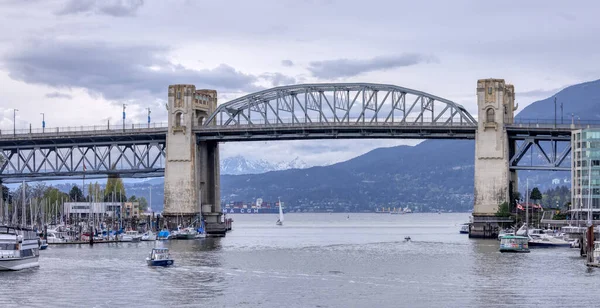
(185, 150)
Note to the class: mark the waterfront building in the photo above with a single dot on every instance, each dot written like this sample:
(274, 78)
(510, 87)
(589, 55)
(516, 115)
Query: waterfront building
(81, 210)
(585, 189)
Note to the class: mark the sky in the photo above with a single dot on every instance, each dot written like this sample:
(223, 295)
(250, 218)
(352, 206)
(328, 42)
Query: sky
(79, 61)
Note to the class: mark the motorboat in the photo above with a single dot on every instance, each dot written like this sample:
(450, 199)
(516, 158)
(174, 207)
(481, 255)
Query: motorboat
(546, 241)
(504, 233)
(131, 236)
(514, 243)
(149, 236)
(19, 248)
(186, 234)
(55, 237)
(159, 257)
(464, 229)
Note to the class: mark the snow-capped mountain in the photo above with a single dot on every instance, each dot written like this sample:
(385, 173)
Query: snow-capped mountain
(239, 165)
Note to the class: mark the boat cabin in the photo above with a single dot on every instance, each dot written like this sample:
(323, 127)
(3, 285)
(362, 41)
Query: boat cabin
(513, 243)
(159, 254)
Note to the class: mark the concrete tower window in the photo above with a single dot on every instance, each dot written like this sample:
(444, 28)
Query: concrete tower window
(178, 119)
(489, 115)
(490, 90)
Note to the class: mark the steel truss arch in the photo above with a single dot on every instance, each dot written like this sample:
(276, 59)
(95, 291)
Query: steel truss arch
(339, 104)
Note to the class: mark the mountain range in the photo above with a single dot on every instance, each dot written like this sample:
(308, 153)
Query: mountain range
(236, 165)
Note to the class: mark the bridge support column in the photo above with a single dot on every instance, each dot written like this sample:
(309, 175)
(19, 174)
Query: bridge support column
(192, 168)
(493, 180)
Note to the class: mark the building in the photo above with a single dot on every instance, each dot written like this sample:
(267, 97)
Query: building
(81, 210)
(585, 188)
(130, 210)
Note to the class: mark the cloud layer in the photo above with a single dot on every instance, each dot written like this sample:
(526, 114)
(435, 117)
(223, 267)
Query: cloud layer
(114, 71)
(116, 8)
(331, 69)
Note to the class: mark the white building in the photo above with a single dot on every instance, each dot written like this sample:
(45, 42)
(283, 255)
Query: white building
(82, 209)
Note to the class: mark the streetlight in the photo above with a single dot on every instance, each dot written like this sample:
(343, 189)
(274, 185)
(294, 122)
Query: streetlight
(15, 121)
(43, 122)
(124, 116)
(148, 117)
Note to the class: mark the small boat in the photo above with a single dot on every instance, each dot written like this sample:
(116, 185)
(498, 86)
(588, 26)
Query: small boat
(163, 235)
(464, 229)
(131, 236)
(43, 244)
(280, 220)
(149, 236)
(19, 248)
(407, 238)
(514, 243)
(159, 257)
(546, 241)
(186, 234)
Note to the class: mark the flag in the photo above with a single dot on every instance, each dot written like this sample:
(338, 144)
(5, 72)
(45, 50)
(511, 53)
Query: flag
(520, 207)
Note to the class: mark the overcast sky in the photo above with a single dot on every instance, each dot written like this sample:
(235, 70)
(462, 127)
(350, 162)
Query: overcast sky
(78, 61)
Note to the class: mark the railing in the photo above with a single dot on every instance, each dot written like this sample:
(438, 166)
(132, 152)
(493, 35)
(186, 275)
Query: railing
(551, 123)
(81, 129)
(354, 122)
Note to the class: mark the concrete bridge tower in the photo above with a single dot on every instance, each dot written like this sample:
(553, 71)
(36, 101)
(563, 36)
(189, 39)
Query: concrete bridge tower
(192, 174)
(494, 182)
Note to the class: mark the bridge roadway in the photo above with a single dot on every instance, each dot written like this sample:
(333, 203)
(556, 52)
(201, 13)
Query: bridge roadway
(139, 151)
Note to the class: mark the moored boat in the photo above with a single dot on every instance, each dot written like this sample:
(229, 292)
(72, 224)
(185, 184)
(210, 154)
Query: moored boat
(19, 249)
(514, 243)
(149, 236)
(43, 244)
(131, 236)
(547, 241)
(160, 257)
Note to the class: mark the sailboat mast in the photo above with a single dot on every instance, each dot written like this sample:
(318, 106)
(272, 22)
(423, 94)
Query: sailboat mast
(527, 209)
(589, 218)
(23, 210)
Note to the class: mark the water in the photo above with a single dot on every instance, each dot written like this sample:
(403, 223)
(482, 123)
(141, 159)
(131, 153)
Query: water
(314, 260)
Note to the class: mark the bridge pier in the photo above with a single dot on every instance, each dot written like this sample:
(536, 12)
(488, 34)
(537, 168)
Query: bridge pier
(494, 182)
(192, 174)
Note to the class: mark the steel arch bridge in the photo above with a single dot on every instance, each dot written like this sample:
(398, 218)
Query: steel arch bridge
(338, 110)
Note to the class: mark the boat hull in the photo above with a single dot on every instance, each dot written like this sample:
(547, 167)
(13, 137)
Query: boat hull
(18, 264)
(185, 236)
(549, 245)
(464, 232)
(514, 250)
(160, 262)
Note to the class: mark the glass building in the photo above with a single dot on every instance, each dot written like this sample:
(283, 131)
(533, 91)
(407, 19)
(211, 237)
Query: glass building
(585, 158)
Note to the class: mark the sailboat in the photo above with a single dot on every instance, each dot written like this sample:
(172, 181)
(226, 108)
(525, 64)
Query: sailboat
(280, 220)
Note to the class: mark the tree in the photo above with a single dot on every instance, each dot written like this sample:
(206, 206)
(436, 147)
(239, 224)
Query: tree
(115, 189)
(132, 199)
(535, 195)
(503, 210)
(143, 204)
(76, 194)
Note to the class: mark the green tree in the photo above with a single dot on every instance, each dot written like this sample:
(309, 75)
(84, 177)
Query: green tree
(132, 199)
(503, 210)
(115, 189)
(143, 204)
(76, 194)
(535, 195)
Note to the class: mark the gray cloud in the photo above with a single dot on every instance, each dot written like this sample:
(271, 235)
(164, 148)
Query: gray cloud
(351, 67)
(116, 8)
(59, 95)
(287, 63)
(114, 71)
(278, 79)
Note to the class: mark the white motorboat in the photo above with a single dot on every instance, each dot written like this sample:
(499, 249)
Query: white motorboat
(131, 236)
(19, 249)
(149, 236)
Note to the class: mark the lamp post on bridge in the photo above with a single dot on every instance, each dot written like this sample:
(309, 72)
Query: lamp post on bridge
(15, 121)
(124, 105)
(148, 117)
(43, 122)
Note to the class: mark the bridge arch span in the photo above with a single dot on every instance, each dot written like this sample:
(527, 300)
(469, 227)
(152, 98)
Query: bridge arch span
(339, 104)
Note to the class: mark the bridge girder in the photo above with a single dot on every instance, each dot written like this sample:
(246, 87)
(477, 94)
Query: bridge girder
(339, 103)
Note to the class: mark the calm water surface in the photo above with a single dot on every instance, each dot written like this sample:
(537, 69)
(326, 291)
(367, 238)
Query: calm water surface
(314, 260)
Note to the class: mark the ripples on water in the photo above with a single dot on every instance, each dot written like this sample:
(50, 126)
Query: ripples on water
(315, 260)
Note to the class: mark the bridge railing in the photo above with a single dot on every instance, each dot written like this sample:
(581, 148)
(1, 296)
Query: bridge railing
(81, 129)
(356, 122)
(551, 123)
